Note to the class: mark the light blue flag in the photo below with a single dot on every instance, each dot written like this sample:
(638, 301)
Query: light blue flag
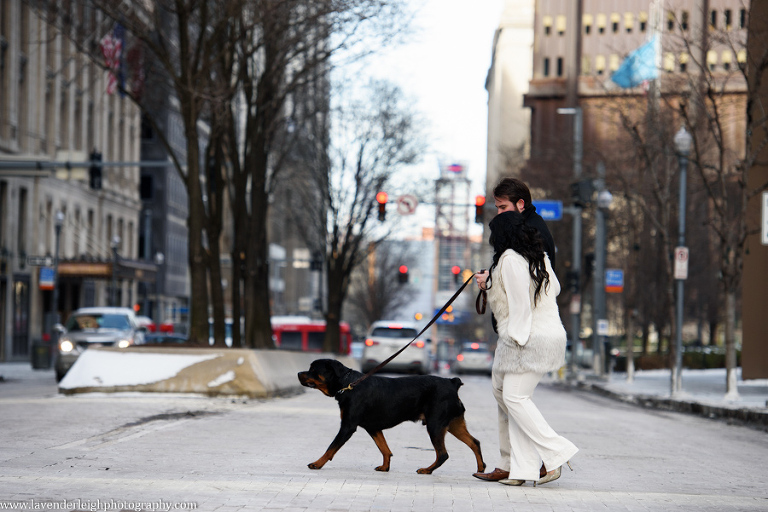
(639, 66)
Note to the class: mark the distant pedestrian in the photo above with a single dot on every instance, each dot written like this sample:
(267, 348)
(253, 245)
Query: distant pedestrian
(522, 290)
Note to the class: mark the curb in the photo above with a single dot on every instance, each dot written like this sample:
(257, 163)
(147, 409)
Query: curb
(753, 418)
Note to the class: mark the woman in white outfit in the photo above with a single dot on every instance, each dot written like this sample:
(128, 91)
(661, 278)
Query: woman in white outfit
(522, 288)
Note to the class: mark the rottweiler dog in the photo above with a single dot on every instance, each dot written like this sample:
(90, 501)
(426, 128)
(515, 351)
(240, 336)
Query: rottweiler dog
(378, 403)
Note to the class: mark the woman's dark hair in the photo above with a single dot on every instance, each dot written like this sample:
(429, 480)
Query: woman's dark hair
(509, 231)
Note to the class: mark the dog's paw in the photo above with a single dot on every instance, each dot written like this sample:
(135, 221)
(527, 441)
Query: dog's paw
(314, 465)
(424, 471)
(382, 468)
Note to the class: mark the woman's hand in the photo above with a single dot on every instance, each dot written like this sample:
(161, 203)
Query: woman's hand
(480, 278)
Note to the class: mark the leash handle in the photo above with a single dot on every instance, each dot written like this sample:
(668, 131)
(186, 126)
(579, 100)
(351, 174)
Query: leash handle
(434, 319)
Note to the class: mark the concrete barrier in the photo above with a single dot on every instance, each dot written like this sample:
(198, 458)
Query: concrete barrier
(209, 371)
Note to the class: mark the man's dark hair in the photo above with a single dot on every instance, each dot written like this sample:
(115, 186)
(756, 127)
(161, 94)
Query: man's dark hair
(513, 190)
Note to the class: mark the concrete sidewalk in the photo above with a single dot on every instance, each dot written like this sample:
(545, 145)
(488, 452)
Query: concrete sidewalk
(704, 393)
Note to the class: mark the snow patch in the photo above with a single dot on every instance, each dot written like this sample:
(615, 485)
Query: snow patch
(222, 379)
(95, 368)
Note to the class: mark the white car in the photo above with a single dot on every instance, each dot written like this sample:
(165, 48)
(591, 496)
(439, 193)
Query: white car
(95, 327)
(473, 358)
(385, 337)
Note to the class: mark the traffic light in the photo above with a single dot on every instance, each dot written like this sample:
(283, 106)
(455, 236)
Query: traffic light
(581, 192)
(381, 198)
(479, 203)
(456, 271)
(95, 170)
(402, 276)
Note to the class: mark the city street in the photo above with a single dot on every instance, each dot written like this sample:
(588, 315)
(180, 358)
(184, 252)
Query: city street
(236, 454)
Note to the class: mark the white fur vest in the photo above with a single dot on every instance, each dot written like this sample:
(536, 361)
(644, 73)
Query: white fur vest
(545, 349)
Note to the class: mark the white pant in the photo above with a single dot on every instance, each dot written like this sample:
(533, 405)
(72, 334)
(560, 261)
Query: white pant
(525, 438)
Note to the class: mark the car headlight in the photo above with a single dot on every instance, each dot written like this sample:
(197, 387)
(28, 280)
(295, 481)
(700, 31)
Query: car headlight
(66, 346)
(124, 343)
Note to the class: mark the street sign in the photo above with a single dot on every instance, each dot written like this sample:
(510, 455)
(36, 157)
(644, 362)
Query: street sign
(39, 261)
(764, 237)
(406, 204)
(549, 209)
(681, 263)
(614, 280)
(46, 278)
(602, 327)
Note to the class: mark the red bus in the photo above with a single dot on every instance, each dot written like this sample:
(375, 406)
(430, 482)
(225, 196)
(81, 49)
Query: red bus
(306, 335)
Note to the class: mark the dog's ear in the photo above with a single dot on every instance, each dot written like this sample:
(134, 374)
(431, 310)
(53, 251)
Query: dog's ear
(338, 369)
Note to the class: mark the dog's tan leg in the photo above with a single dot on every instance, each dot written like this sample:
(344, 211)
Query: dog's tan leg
(319, 463)
(438, 441)
(381, 443)
(458, 427)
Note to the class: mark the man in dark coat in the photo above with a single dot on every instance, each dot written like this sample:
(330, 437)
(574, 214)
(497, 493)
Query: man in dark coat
(512, 194)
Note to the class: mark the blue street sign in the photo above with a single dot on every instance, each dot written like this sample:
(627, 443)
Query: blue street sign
(549, 209)
(614, 280)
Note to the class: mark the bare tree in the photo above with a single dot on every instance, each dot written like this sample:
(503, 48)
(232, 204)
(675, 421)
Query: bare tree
(375, 290)
(373, 138)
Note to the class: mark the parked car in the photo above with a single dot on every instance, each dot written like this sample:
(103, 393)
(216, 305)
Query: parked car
(473, 358)
(95, 327)
(386, 337)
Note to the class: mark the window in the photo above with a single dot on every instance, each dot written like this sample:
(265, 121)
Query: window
(728, 15)
(684, 20)
(559, 66)
(741, 58)
(726, 58)
(669, 62)
(712, 19)
(670, 21)
(601, 20)
(560, 25)
(615, 18)
(547, 25)
(546, 66)
(22, 216)
(711, 59)
(742, 18)
(683, 62)
(613, 62)
(587, 21)
(643, 19)
(629, 21)
(600, 64)
(585, 65)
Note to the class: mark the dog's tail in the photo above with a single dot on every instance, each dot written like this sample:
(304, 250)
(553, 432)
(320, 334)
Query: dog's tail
(457, 382)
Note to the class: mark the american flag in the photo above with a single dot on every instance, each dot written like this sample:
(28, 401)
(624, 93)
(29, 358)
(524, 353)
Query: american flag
(112, 49)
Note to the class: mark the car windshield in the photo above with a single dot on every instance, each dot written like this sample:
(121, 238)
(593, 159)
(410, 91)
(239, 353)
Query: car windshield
(97, 321)
(394, 332)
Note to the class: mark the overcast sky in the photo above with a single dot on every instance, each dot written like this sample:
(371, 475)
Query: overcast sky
(443, 68)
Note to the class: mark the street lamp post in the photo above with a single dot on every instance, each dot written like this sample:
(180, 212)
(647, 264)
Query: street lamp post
(113, 291)
(59, 221)
(683, 141)
(576, 259)
(604, 201)
(159, 260)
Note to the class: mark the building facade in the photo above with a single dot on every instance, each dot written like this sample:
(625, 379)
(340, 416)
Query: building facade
(54, 108)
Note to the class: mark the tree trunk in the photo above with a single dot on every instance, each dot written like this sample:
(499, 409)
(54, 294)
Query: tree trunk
(198, 272)
(336, 292)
